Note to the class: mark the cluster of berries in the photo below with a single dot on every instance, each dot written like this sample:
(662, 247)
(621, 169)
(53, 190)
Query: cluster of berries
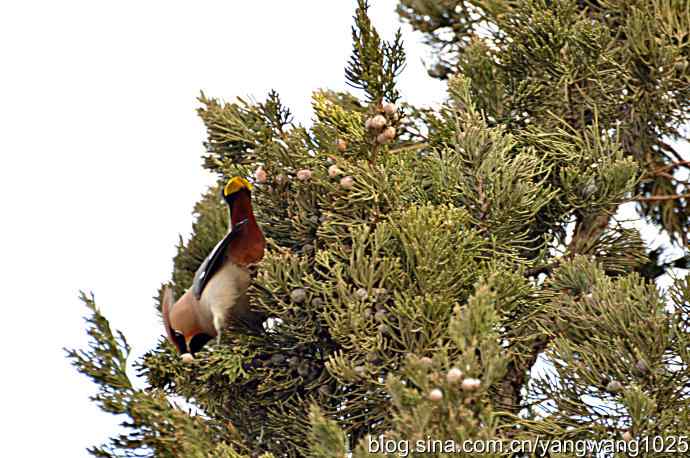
(380, 125)
(454, 376)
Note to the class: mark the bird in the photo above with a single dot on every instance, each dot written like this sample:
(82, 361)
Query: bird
(219, 289)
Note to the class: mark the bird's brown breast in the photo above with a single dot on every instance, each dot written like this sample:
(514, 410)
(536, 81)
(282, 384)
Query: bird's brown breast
(186, 319)
(249, 248)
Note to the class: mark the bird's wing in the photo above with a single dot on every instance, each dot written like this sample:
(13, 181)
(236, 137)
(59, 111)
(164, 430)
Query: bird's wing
(213, 261)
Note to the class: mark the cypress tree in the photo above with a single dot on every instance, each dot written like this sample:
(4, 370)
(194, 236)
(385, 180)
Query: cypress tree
(443, 274)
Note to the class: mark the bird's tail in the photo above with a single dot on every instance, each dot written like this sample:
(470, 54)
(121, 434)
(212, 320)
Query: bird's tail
(167, 302)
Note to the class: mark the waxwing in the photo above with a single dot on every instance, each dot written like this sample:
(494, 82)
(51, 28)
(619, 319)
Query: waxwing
(218, 293)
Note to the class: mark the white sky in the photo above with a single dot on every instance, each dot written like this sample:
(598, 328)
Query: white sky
(100, 166)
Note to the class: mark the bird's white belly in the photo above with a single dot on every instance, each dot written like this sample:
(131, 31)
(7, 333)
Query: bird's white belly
(224, 290)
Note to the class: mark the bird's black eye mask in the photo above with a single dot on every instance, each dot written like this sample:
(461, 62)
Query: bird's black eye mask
(179, 342)
(198, 341)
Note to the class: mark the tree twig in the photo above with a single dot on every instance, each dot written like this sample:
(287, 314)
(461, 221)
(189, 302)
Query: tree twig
(670, 166)
(659, 198)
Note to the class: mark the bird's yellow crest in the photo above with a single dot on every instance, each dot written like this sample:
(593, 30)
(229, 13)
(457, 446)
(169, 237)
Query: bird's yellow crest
(235, 184)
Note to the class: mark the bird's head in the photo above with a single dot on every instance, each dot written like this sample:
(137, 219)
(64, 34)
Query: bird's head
(190, 343)
(236, 186)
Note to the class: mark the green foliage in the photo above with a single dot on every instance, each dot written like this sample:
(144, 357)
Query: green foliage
(326, 437)
(155, 426)
(607, 65)
(241, 132)
(639, 382)
(410, 287)
(374, 64)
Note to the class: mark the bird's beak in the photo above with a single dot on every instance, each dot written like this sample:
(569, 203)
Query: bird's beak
(188, 343)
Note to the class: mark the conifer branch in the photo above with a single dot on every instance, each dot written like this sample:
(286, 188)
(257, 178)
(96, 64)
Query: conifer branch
(374, 64)
(156, 428)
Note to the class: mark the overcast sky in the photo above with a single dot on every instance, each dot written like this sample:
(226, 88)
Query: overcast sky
(100, 166)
